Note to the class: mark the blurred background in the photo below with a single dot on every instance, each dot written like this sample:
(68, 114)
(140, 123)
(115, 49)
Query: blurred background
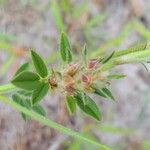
(104, 25)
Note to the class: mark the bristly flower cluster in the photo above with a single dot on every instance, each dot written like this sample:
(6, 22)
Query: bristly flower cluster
(76, 80)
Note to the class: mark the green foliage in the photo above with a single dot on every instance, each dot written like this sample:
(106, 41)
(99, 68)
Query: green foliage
(27, 81)
(65, 48)
(39, 93)
(71, 104)
(7, 88)
(104, 92)
(24, 93)
(23, 101)
(107, 58)
(39, 109)
(141, 56)
(39, 64)
(76, 80)
(51, 124)
(115, 76)
(108, 93)
(87, 105)
(84, 54)
(22, 68)
(139, 47)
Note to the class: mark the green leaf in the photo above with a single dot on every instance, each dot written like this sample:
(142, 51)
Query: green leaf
(104, 92)
(17, 99)
(24, 93)
(84, 51)
(23, 102)
(27, 81)
(25, 117)
(92, 109)
(108, 93)
(107, 58)
(39, 109)
(100, 92)
(115, 76)
(27, 104)
(39, 64)
(84, 54)
(65, 48)
(89, 107)
(22, 68)
(39, 93)
(71, 104)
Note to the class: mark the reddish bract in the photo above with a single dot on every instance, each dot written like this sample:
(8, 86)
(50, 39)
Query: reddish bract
(92, 63)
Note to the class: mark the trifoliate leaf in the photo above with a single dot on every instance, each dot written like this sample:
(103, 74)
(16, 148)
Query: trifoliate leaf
(39, 64)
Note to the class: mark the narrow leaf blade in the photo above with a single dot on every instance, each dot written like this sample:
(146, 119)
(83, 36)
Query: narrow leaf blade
(84, 54)
(115, 76)
(107, 58)
(65, 48)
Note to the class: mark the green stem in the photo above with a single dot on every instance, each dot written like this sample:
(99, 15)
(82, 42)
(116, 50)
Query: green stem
(135, 57)
(50, 123)
(6, 88)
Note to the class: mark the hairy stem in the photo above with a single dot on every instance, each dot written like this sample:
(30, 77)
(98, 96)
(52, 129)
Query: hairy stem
(51, 123)
(6, 88)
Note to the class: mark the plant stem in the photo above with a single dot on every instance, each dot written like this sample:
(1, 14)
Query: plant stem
(6, 88)
(51, 123)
